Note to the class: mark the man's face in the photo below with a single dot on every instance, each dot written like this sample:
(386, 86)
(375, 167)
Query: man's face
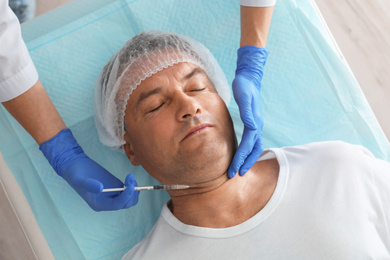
(178, 127)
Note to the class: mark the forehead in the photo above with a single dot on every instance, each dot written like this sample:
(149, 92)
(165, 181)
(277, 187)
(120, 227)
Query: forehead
(178, 71)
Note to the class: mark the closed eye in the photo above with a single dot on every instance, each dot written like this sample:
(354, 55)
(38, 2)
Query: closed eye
(157, 108)
(200, 89)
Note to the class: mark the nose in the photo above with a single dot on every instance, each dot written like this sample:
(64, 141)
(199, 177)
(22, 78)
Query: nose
(187, 106)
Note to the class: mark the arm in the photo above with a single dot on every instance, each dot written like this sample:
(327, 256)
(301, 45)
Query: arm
(36, 113)
(23, 95)
(255, 23)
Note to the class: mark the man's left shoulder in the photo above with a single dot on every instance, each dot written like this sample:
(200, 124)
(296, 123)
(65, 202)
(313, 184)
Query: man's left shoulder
(339, 149)
(327, 152)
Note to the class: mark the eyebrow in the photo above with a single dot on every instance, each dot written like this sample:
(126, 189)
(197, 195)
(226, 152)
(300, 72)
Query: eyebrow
(193, 73)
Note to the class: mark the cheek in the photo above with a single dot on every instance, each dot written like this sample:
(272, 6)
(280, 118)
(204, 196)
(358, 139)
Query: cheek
(152, 137)
(221, 113)
(217, 107)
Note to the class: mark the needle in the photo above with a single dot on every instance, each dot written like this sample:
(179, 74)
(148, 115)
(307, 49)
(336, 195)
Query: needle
(153, 187)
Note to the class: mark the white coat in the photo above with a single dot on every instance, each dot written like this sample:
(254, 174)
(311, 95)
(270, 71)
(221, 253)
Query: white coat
(17, 71)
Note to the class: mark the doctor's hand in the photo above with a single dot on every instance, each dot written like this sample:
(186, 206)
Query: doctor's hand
(246, 90)
(87, 177)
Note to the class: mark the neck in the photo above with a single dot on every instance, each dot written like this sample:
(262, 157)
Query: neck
(224, 202)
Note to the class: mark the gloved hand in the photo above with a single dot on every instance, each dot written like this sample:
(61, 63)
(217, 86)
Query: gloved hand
(87, 177)
(246, 90)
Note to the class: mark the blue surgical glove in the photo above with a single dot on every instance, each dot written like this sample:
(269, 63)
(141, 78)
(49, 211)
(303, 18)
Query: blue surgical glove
(87, 177)
(246, 90)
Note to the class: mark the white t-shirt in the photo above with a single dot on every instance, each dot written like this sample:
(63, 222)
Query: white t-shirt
(17, 71)
(257, 3)
(332, 201)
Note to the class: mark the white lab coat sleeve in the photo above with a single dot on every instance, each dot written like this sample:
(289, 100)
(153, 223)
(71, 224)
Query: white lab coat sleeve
(257, 3)
(17, 71)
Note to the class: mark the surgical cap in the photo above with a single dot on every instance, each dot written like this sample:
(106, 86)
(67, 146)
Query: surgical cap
(142, 56)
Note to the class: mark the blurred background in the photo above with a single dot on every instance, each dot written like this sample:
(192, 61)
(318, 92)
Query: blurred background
(359, 27)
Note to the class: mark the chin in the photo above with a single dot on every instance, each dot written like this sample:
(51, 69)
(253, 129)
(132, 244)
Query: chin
(205, 162)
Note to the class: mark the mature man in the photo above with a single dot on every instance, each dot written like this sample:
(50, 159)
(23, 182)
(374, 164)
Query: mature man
(162, 98)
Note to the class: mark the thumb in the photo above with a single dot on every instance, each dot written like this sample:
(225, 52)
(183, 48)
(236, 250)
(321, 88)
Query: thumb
(130, 181)
(93, 186)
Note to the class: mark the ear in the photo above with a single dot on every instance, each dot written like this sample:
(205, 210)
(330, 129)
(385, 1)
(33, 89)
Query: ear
(130, 152)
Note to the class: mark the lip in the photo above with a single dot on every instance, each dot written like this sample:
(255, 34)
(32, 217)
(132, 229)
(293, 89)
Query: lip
(197, 129)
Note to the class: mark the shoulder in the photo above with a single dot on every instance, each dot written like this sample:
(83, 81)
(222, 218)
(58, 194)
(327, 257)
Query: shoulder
(326, 159)
(331, 150)
(330, 168)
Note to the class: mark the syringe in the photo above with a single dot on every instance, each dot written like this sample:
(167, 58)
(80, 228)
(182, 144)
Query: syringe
(152, 187)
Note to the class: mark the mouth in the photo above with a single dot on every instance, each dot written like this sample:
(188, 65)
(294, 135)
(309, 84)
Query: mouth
(197, 129)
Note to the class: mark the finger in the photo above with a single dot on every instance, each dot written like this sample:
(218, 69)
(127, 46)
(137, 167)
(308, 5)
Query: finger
(256, 112)
(130, 181)
(252, 157)
(130, 194)
(244, 149)
(231, 171)
(93, 186)
(246, 114)
(244, 98)
(118, 202)
(132, 201)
